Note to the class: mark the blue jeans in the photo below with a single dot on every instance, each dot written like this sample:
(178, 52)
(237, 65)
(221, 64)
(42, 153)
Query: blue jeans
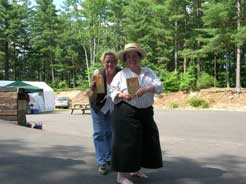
(102, 136)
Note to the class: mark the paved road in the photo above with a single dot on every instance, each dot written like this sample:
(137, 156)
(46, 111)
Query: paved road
(199, 147)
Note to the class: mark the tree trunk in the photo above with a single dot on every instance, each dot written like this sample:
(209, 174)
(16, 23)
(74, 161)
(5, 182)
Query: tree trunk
(176, 48)
(6, 61)
(87, 64)
(14, 60)
(86, 58)
(185, 56)
(198, 63)
(185, 64)
(227, 74)
(215, 70)
(74, 78)
(44, 70)
(238, 76)
(91, 52)
(198, 70)
(94, 50)
(52, 67)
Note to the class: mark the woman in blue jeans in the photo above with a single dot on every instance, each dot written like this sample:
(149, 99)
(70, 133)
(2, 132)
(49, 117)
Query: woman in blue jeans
(101, 108)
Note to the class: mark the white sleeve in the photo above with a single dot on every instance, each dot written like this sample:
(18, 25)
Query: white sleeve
(156, 82)
(115, 88)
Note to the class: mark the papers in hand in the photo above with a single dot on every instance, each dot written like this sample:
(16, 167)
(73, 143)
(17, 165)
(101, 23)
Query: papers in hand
(100, 88)
(132, 85)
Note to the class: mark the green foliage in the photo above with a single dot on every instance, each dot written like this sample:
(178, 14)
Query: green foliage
(206, 80)
(170, 81)
(83, 84)
(197, 102)
(92, 68)
(174, 105)
(188, 79)
(59, 84)
(240, 36)
(144, 23)
(40, 43)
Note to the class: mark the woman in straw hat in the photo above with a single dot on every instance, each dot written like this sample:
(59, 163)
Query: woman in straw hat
(101, 108)
(135, 134)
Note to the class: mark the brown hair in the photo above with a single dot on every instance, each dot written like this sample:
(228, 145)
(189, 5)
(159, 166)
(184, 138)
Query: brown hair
(112, 53)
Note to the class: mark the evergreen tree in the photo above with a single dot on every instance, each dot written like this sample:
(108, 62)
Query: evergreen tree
(143, 23)
(44, 36)
(94, 13)
(5, 8)
(177, 16)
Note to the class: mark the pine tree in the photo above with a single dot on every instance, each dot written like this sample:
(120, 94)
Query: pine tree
(44, 36)
(5, 8)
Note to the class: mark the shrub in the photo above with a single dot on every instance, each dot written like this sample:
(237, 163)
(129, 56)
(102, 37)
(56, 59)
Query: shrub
(62, 84)
(206, 80)
(197, 102)
(187, 80)
(171, 82)
(94, 67)
(83, 85)
(56, 84)
(174, 105)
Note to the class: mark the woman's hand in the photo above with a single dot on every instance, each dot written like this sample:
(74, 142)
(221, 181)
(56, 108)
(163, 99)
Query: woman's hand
(144, 90)
(140, 92)
(93, 85)
(125, 96)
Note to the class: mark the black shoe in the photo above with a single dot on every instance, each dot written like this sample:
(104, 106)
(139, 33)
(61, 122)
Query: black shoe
(102, 169)
(108, 164)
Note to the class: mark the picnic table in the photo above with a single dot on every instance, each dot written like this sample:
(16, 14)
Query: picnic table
(80, 106)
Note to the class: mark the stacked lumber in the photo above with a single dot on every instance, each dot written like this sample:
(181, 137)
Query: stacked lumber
(8, 103)
(11, 107)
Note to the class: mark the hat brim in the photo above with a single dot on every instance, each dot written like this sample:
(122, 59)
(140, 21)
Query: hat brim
(139, 50)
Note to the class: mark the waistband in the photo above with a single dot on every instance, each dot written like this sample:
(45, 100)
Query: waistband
(124, 104)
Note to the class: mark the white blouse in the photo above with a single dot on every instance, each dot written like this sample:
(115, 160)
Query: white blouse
(146, 78)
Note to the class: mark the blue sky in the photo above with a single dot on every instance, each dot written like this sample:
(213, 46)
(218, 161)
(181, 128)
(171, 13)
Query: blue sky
(58, 3)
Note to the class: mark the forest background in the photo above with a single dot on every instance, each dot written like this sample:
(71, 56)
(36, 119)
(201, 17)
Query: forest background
(191, 44)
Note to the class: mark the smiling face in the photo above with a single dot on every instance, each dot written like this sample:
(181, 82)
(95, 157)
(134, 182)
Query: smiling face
(133, 60)
(109, 63)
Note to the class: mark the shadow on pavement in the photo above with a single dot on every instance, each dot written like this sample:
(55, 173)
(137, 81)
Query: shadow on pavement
(22, 163)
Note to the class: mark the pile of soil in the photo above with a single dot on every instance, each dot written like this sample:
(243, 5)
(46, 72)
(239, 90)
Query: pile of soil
(217, 98)
(76, 96)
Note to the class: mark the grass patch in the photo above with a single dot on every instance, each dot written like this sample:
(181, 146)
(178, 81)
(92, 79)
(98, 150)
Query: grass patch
(174, 105)
(198, 103)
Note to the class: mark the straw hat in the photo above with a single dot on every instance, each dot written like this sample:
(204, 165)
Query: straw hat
(131, 47)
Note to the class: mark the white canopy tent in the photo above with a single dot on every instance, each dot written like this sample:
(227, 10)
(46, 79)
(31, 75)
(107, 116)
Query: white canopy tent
(4, 83)
(46, 101)
(41, 101)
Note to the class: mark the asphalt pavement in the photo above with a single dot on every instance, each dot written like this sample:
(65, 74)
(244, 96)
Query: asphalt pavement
(199, 147)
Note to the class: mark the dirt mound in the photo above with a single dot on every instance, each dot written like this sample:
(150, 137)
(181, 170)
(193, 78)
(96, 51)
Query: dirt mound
(217, 98)
(76, 96)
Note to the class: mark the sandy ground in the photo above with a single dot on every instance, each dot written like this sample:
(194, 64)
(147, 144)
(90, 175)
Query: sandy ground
(217, 98)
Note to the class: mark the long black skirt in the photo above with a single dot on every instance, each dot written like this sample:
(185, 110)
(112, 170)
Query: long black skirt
(135, 141)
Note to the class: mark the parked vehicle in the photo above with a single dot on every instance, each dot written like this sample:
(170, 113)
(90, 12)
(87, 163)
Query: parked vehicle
(62, 102)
